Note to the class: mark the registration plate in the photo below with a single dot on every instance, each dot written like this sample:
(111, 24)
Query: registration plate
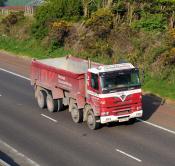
(123, 119)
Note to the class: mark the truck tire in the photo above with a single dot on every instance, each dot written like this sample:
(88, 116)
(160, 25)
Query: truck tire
(77, 114)
(60, 104)
(52, 105)
(91, 121)
(41, 99)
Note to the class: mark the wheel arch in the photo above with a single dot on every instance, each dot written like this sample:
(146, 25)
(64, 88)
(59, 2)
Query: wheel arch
(39, 88)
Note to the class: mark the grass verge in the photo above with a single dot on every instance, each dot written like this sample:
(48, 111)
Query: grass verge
(30, 48)
(159, 87)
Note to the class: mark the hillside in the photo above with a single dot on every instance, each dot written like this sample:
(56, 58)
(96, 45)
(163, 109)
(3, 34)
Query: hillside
(106, 31)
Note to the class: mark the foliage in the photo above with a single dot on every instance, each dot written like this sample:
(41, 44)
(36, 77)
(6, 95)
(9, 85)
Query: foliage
(101, 22)
(12, 19)
(59, 31)
(29, 48)
(151, 22)
(53, 10)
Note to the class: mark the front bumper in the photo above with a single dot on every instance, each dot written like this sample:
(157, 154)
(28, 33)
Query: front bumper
(113, 118)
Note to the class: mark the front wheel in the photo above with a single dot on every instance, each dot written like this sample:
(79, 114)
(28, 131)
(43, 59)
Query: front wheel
(77, 114)
(91, 121)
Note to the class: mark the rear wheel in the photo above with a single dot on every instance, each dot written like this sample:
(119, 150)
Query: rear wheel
(41, 99)
(77, 114)
(91, 121)
(60, 104)
(52, 105)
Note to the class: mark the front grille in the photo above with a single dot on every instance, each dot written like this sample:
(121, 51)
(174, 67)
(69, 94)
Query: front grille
(123, 102)
(121, 108)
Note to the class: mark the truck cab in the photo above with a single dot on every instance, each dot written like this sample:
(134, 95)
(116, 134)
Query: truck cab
(114, 92)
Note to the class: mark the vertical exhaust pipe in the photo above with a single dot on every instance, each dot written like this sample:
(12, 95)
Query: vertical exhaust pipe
(89, 63)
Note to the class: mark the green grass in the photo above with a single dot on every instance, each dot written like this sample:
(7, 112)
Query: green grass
(159, 87)
(29, 48)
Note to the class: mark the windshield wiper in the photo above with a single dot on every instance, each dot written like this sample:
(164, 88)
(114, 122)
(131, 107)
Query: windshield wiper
(131, 87)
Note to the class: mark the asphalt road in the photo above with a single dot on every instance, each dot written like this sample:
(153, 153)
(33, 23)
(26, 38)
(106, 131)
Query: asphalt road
(61, 142)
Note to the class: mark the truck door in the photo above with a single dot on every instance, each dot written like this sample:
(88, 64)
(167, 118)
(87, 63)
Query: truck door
(93, 92)
(94, 85)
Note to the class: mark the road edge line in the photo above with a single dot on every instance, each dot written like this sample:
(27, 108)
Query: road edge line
(4, 163)
(157, 126)
(13, 150)
(18, 75)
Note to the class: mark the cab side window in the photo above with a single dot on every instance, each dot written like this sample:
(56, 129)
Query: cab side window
(94, 81)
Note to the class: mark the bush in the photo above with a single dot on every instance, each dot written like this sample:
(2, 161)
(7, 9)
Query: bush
(39, 31)
(150, 22)
(101, 22)
(119, 8)
(59, 31)
(54, 10)
(13, 18)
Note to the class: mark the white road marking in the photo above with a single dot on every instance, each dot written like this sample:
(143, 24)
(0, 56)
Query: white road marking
(49, 118)
(18, 75)
(128, 155)
(3, 163)
(157, 126)
(151, 124)
(0, 95)
(14, 151)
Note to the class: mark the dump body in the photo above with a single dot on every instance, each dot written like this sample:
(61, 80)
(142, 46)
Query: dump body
(66, 73)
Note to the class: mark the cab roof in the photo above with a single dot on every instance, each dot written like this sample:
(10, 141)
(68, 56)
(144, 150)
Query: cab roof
(109, 68)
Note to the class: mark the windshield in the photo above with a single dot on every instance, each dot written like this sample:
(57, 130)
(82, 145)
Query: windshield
(120, 80)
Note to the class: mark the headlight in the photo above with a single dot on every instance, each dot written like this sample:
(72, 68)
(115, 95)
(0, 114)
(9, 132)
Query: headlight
(139, 108)
(105, 113)
(102, 102)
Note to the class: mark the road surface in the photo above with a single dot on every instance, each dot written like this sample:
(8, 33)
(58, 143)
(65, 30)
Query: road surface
(53, 139)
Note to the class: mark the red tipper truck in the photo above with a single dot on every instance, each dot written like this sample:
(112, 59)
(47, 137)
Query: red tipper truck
(94, 92)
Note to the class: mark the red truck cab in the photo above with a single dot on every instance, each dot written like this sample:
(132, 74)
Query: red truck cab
(114, 91)
(95, 93)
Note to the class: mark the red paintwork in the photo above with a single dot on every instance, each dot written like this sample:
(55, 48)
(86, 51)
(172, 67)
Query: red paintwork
(47, 77)
(117, 107)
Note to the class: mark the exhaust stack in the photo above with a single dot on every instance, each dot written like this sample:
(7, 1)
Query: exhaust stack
(89, 63)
